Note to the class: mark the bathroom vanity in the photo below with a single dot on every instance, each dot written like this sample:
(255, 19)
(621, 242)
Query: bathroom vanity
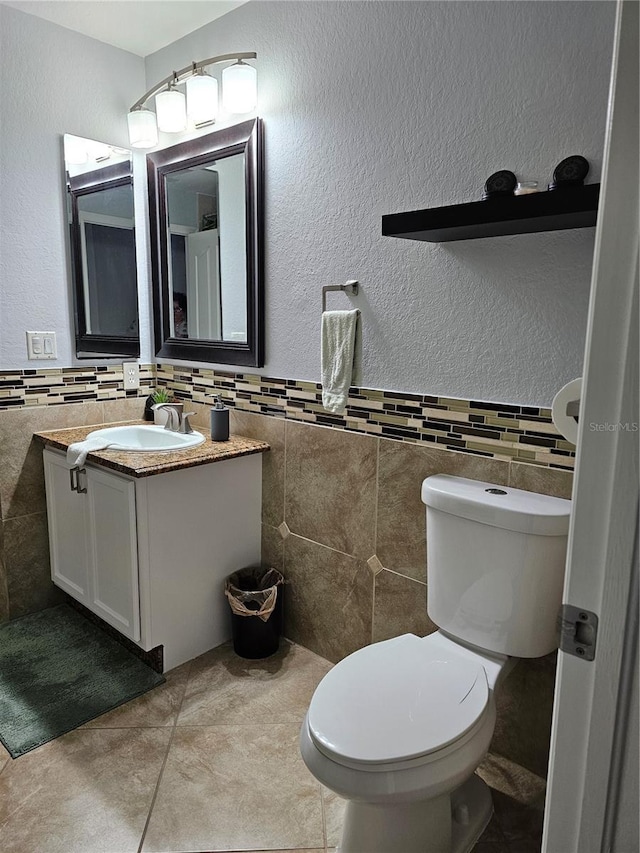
(145, 540)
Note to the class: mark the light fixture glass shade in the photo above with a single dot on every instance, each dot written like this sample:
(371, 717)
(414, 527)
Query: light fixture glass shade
(171, 109)
(239, 88)
(202, 99)
(143, 130)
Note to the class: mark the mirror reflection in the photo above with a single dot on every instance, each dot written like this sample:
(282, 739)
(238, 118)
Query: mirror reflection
(207, 249)
(103, 253)
(206, 227)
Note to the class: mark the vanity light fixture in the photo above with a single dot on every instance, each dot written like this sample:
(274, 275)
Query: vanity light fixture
(171, 110)
(200, 106)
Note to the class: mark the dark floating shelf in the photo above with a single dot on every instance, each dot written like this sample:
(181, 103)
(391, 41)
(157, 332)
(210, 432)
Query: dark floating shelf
(525, 214)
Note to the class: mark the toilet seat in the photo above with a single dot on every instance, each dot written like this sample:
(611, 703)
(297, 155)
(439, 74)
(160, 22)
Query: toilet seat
(407, 699)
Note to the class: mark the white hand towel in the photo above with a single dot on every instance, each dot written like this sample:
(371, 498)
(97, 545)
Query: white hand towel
(77, 453)
(338, 348)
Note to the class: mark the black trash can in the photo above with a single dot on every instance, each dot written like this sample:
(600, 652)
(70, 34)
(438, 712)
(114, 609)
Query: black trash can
(255, 596)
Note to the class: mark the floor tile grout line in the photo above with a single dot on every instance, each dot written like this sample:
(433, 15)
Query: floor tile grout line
(164, 762)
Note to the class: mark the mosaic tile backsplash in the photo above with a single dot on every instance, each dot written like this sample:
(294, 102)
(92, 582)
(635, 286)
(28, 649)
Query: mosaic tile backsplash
(57, 386)
(501, 431)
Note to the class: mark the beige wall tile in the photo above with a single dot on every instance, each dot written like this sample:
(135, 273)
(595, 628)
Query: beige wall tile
(545, 481)
(329, 598)
(129, 409)
(400, 607)
(240, 787)
(21, 472)
(271, 430)
(26, 542)
(331, 487)
(272, 548)
(85, 792)
(202, 418)
(525, 705)
(401, 529)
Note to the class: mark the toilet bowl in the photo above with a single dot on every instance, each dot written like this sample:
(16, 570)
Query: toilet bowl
(421, 716)
(399, 727)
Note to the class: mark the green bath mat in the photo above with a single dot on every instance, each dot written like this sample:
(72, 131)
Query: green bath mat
(58, 671)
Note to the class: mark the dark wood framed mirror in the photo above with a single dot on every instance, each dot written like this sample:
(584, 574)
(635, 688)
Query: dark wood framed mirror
(103, 248)
(206, 216)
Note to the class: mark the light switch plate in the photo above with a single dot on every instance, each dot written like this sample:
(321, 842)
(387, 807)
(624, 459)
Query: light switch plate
(41, 345)
(131, 374)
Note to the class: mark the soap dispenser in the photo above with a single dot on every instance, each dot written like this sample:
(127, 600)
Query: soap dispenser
(219, 422)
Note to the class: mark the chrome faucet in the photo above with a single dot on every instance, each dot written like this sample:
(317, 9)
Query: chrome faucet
(185, 427)
(173, 417)
(176, 420)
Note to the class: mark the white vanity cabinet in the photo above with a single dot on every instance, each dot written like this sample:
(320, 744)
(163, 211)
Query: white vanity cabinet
(93, 540)
(149, 555)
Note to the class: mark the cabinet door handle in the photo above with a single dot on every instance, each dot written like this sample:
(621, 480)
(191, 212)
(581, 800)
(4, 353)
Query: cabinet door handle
(73, 479)
(79, 489)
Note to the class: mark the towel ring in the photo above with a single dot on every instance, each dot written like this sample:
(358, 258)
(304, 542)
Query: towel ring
(351, 286)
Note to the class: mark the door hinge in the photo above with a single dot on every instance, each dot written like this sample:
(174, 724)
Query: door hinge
(578, 632)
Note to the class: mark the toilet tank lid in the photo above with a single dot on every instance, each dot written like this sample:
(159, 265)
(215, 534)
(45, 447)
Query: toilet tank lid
(498, 506)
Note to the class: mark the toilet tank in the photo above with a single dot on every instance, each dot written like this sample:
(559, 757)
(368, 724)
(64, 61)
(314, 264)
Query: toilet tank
(495, 564)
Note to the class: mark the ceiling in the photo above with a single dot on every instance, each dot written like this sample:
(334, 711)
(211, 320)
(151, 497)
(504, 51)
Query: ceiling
(139, 26)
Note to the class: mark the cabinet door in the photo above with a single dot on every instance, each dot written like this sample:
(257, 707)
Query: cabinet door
(68, 543)
(114, 554)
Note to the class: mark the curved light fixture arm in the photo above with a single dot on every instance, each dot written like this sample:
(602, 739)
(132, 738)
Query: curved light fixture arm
(188, 71)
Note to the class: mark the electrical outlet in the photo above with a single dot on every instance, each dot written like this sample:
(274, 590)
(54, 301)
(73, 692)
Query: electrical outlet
(41, 345)
(131, 374)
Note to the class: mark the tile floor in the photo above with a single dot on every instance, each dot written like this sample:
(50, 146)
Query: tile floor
(208, 762)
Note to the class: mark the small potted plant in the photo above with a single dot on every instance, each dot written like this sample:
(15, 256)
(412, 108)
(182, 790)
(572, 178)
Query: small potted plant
(160, 397)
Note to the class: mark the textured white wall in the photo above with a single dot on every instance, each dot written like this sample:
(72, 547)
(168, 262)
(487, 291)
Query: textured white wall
(374, 108)
(52, 81)
(369, 108)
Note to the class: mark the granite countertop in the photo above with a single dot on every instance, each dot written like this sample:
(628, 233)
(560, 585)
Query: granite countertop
(149, 463)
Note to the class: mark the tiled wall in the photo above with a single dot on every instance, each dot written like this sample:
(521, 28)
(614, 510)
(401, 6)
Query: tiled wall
(342, 515)
(31, 401)
(57, 386)
(498, 430)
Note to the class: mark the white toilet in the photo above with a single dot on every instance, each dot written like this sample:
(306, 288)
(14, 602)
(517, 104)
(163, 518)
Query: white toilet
(398, 727)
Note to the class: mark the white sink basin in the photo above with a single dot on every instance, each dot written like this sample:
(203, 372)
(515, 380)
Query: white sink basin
(140, 439)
